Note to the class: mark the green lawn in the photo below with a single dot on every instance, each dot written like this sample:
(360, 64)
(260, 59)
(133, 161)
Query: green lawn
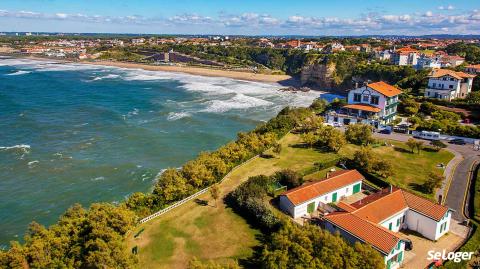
(216, 233)
(412, 168)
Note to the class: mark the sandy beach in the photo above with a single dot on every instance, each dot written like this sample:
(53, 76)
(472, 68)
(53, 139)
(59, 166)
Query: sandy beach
(282, 79)
(285, 80)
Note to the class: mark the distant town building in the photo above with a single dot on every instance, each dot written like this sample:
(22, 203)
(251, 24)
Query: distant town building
(375, 104)
(405, 56)
(448, 84)
(473, 69)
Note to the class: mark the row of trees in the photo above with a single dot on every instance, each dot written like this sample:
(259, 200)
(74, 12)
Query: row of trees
(430, 117)
(94, 237)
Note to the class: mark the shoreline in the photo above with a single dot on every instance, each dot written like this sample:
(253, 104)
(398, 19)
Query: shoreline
(200, 71)
(283, 80)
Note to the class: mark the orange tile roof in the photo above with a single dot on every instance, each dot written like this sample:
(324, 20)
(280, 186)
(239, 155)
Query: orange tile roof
(406, 50)
(383, 204)
(444, 72)
(368, 232)
(385, 88)
(363, 107)
(362, 219)
(312, 190)
(475, 66)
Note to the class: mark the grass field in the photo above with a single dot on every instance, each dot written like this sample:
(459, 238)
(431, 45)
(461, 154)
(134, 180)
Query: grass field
(216, 233)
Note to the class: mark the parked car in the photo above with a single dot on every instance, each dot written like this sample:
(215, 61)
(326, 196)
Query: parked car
(408, 244)
(385, 131)
(457, 141)
(427, 135)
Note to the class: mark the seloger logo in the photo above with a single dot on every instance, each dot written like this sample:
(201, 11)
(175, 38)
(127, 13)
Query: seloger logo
(452, 256)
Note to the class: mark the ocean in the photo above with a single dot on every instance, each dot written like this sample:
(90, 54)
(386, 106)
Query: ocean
(75, 133)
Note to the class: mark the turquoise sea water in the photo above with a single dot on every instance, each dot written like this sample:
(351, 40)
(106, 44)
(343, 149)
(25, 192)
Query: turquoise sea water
(73, 133)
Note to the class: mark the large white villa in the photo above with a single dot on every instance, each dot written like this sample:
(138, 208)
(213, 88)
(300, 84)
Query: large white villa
(448, 84)
(375, 104)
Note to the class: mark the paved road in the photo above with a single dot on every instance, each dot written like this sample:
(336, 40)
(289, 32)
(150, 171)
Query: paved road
(459, 186)
(461, 175)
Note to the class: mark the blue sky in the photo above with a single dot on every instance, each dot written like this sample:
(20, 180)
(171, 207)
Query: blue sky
(346, 17)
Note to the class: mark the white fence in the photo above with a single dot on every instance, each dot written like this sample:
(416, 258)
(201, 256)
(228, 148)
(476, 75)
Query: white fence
(179, 203)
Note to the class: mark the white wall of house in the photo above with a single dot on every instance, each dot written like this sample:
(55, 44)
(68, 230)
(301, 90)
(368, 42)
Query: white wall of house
(425, 225)
(301, 209)
(400, 248)
(394, 223)
(445, 221)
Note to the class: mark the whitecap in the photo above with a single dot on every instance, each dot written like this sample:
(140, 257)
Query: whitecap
(22, 147)
(20, 72)
(97, 178)
(32, 163)
(172, 116)
(239, 101)
(109, 76)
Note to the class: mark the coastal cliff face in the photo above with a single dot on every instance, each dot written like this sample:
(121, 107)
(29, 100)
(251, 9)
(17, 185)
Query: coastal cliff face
(321, 75)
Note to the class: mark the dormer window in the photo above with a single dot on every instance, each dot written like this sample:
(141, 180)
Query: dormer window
(374, 100)
(366, 98)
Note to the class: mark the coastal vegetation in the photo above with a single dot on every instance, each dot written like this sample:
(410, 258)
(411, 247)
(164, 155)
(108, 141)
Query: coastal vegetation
(95, 237)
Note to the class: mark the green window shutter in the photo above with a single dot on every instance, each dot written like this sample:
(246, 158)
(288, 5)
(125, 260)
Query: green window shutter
(390, 226)
(356, 188)
(400, 257)
(398, 222)
(334, 197)
(389, 264)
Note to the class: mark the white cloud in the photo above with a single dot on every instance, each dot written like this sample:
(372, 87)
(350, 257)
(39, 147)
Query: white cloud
(449, 7)
(372, 23)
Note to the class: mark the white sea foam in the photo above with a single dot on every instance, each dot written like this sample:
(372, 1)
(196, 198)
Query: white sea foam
(172, 116)
(239, 101)
(109, 76)
(20, 72)
(22, 147)
(32, 163)
(97, 178)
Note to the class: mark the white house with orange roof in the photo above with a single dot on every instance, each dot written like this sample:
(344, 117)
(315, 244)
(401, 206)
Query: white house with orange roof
(375, 104)
(304, 200)
(448, 84)
(376, 220)
(405, 56)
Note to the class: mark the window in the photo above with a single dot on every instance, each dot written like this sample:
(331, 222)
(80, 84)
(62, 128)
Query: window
(357, 97)
(434, 85)
(390, 226)
(374, 100)
(366, 98)
(398, 222)
(450, 86)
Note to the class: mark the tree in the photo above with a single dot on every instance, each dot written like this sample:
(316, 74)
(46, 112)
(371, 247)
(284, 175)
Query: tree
(418, 145)
(336, 140)
(411, 144)
(409, 106)
(383, 168)
(433, 181)
(171, 186)
(319, 105)
(362, 158)
(309, 138)
(215, 192)
(277, 148)
(289, 178)
(437, 144)
(359, 134)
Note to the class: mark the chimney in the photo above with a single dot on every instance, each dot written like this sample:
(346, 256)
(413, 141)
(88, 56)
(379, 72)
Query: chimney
(391, 188)
(327, 175)
(440, 198)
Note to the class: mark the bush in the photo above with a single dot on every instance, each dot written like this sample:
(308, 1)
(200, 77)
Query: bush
(289, 178)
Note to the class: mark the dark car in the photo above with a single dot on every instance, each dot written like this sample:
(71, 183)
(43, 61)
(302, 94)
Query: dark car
(385, 131)
(408, 244)
(457, 141)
